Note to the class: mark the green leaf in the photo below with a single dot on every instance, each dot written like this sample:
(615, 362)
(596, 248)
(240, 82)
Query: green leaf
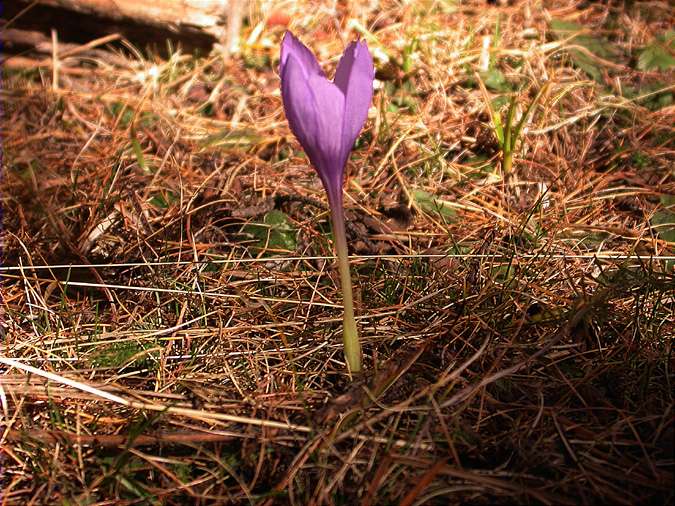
(408, 53)
(163, 200)
(430, 204)
(668, 200)
(499, 102)
(502, 273)
(663, 221)
(117, 354)
(276, 232)
(659, 55)
(654, 94)
(480, 166)
(519, 126)
(495, 80)
(138, 153)
(255, 60)
(117, 108)
(596, 45)
(232, 138)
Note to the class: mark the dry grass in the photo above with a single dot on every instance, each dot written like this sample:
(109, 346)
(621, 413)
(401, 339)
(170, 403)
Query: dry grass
(517, 325)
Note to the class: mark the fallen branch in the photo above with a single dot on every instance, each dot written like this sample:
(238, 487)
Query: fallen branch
(221, 19)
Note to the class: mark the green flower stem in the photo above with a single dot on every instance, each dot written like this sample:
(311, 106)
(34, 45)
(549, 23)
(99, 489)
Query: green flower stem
(350, 334)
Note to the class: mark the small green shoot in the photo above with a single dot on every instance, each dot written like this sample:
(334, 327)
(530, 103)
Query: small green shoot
(507, 131)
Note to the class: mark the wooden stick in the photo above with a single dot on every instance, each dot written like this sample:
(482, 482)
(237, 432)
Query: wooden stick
(55, 61)
(12, 37)
(20, 62)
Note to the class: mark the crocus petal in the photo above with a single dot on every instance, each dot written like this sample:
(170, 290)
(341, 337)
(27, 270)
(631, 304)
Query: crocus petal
(330, 106)
(315, 109)
(292, 46)
(354, 76)
(299, 104)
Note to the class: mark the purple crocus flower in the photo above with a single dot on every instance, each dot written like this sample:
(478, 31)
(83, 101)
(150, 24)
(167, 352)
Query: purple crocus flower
(326, 117)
